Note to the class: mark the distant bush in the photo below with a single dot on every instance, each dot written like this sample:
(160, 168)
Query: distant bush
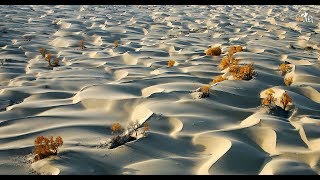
(116, 128)
(218, 79)
(48, 57)
(126, 135)
(228, 61)
(43, 52)
(269, 100)
(116, 44)
(81, 44)
(146, 127)
(244, 72)
(214, 51)
(45, 147)
(285, 100)
(288, 81)
(171, 63)
(234, 49)
(285, 68)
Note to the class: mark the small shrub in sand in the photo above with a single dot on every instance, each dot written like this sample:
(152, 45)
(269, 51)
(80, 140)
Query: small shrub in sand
(127, 135)
(45, 147)
(244, 72)
(81, 44)
(205, 90)
(48, 57)
(269, 100)
(146, 127)
(214, 51)
(43, 52)
(171, 63)
(288, 81)
(285, 100)
(218, 79)
(234, 49)
(116, 44)
(116, 128)
(284, 68)
(227, 61)
(55, 63)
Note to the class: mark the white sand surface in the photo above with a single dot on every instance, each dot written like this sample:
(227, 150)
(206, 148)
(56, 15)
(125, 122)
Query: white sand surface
(228, 132)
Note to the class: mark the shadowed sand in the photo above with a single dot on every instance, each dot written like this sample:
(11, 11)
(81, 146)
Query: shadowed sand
(228, 132)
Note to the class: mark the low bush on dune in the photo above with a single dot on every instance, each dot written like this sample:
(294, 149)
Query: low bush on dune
(277, 107)
(45, 147)
(205, 90)
(214, 51)
(285, 100)
(43, 52)
(55, 63)
(244, 72)
(218, 79)
(116, 44)
(228, 61)
(234, 49)
(269, 100)
(285, 68)
(131, 133)
(81, 44)
(201, 92)
(48, 57)
(288, 81)
(171, 63)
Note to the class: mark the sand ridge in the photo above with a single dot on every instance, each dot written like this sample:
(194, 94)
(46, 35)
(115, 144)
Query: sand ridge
(104, 82)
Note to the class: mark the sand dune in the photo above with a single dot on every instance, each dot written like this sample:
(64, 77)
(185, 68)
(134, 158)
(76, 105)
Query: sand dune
(114, 68)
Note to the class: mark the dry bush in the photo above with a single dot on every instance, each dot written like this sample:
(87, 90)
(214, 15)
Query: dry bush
(45, 147)
(227, 61)
(284, 68)
(133, 126)
(218, 79)
(285, 100)
(116, 128)
(288, 81)
(205, 91)
(171, 63)
(81, 44)
(43, 52)
(234, 49)
(146, 127)
(116, 44)
(214, 51)
(48, 57)
(245, 72)
(55, 62)
(269, 100)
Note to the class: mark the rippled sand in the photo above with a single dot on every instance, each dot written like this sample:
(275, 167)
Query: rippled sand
(227, 133)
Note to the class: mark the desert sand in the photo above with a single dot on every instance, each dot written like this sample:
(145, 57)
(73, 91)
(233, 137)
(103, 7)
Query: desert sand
(229, 132)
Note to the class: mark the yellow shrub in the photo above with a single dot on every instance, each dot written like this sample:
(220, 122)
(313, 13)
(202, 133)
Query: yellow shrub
(81, 44)
(48, 57)
(214, 51)
(116, 127)
(284, 68)
(245, 72)
(43, 52)
(171, 63)
(288, 81)
(285, 100)
(45, 147)
(116, 43)
(227, 61)
(218, 79)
